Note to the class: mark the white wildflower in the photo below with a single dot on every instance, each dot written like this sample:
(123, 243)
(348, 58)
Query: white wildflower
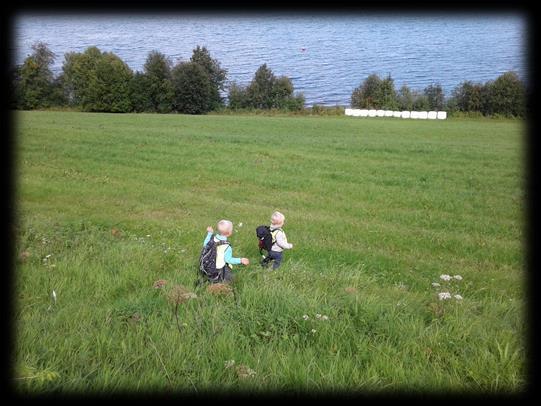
(305, 317)
(318, 316)
(48, 256)
(240, 224)
(458, 277)
(458, 297)
(445, 277)
(313, 331)
(229, 363)
(444, 295)
(148, 235)
(435, 284)
(324, 317)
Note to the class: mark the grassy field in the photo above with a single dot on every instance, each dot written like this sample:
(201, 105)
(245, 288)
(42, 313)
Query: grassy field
(377, 210)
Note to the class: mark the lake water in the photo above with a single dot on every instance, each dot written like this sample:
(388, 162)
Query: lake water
(325, 56)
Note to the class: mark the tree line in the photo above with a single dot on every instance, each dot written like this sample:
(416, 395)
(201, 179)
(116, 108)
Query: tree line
(504, 96)
(102, 82)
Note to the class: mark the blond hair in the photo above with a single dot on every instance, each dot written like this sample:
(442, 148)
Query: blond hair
(224, 226)
(277, 218)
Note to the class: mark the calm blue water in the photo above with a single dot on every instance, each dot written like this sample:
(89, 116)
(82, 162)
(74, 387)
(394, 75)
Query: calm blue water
(340, 50)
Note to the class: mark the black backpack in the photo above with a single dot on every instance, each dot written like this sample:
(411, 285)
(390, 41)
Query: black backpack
(265, 238)
(207, 261)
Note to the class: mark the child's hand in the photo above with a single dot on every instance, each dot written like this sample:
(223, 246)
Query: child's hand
(209, 229)
(245, 261)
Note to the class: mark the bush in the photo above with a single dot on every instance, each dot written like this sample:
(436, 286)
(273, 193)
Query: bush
(97, 81)
(375, 93)
(192, 89)
(506, 96)
(435, 97)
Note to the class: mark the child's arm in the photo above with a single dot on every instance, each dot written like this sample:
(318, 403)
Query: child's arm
(209, 234)
(281, 240)
(230, 259)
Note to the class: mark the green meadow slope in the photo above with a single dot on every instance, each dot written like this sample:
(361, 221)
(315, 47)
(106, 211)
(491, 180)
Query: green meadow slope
(377, 210)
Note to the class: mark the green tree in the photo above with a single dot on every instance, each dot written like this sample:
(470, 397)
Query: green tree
(216, 73)
(156, 84)
(506, 95)
(260, 91)
(468, 96)
(366, 96)
(97, 81)
(237, 97)
(192, 89)
(386, 95)
(405, 98)
(34, 79)
(435, 97)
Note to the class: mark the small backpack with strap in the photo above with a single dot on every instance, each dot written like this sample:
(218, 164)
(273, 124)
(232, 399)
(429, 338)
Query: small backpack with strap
(266, 238)
(207, 261)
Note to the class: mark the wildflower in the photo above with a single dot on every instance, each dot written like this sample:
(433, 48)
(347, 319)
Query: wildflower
(240, 225)
(318, 316)
(435, 284)
(313, 331)
(444, 295)
(445, 277)
(24, 255)
(220, 289)
(458, 297)
(229, 363)
(244, 371)
(160, 283)
(458, 277)
(116, 232)
(305, 317)
(48, 256)
(324, 317)
(148, 235)
(179, 294)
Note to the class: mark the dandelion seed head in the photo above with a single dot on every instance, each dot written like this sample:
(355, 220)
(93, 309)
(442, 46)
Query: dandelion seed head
(445, 277)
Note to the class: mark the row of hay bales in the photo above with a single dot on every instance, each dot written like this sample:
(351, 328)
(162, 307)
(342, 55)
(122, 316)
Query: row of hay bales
(422, 115)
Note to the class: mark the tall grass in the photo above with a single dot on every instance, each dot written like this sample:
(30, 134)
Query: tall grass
(377, 210)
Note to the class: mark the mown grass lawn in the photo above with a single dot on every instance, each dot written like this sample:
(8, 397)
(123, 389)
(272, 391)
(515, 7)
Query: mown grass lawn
(377, 210)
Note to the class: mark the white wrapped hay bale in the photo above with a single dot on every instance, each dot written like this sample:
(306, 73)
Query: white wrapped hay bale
(348, 112)
(423, 115)
(380, 113)
(414, 114)
(397, 114)
(371, 113)
(432, 115)
(442, 115)
(388, 113)
(356, 112)
(363, 113)
(406, 114)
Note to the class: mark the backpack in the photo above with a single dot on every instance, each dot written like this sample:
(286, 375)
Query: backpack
(265, 238)
(207, 261)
